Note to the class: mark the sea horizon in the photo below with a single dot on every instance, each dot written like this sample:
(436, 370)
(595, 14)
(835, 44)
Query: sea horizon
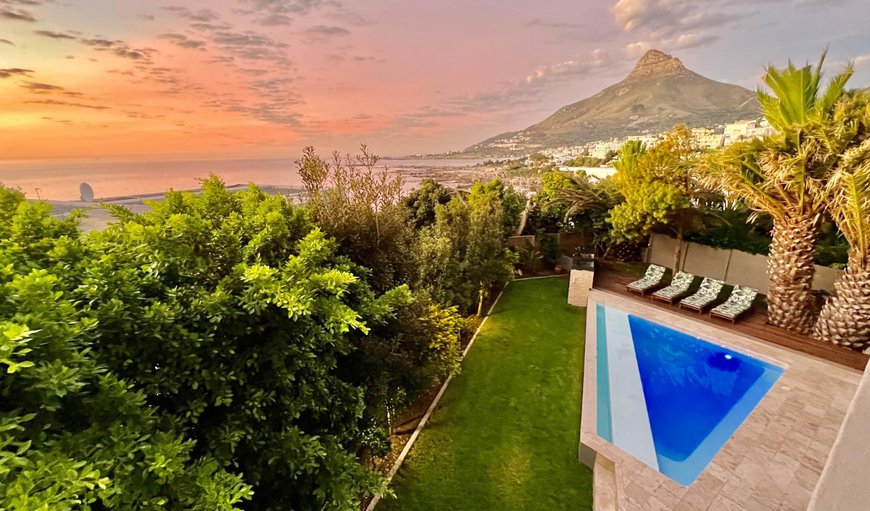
(59, 180)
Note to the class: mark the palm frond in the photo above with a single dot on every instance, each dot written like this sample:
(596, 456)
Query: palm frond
(797, 94)
(836, 88)
(849, 189)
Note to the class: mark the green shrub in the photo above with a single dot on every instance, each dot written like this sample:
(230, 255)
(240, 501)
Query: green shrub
(73, 434)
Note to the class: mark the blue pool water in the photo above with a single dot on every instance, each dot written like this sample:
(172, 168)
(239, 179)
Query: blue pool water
(680, 398)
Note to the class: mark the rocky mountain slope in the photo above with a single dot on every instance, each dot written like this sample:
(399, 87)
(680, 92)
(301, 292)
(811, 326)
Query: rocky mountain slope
(658, 93)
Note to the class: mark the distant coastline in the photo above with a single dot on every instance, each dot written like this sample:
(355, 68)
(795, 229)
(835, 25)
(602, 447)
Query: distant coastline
(59, 180)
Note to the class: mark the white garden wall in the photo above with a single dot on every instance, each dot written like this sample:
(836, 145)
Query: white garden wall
(733, 266)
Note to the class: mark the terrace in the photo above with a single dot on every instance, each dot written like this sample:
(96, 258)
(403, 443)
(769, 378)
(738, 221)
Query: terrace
(774, 459)
(613, 279)
(500, 437)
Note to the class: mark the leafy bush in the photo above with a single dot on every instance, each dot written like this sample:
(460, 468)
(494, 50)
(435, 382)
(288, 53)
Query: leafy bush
(549, 249)
(465, 252)
(735, 228)
(403, 358)
(221, 350)
(530, 256)
(421, 202)
(231, 312)
(73, 435)
(583, 161)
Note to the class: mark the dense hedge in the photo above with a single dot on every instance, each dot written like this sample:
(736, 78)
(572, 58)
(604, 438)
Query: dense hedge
(221, 351)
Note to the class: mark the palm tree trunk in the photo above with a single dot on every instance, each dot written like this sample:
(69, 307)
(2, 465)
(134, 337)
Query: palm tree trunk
(790, 268)
(845, 317)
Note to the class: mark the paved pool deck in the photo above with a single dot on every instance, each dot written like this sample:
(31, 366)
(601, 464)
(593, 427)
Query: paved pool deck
(774, 459)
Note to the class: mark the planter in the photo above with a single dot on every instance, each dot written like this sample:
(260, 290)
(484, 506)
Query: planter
(558, 269)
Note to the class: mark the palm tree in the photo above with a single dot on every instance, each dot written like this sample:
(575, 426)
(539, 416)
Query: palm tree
(593, 197)
(662, 190)
(784, 175)
(845, 317)
(585, 195)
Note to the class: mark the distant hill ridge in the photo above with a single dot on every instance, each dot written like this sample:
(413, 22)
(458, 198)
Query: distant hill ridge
(658, 93)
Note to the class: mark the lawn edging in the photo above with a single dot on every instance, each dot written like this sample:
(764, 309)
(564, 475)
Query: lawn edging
(398, 463)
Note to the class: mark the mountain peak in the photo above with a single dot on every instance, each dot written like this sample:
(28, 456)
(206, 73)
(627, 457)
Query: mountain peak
(658, 93)
(656, 63)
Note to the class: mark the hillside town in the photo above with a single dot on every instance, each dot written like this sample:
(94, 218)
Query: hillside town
(704, 138)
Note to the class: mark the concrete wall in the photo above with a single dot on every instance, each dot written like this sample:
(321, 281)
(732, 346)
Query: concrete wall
(661, 251)
(732, 266)
(749, 270)
(845, 481)
(707, 261)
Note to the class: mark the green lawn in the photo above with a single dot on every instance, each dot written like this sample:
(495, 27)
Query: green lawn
(505, 434)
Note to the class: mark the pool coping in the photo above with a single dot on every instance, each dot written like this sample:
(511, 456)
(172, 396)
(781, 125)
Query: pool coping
(632, 477)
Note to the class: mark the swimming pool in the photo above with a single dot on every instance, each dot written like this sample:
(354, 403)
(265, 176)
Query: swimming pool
(669, 399)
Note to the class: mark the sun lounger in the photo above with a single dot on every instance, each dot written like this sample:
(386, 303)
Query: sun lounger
(678, 288)
(704, 297)
(653, 278)
(736, 305)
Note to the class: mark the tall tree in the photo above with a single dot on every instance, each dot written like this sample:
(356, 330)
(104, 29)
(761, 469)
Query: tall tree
(441, 256)
(784, 175)
(421, 202)
(845, 317)
(488, 259)
(587, 200)
(661, 189)
(465, 252)
(362, 207)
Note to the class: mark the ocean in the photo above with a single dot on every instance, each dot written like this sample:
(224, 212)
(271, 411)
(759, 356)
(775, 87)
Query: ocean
(60, 179)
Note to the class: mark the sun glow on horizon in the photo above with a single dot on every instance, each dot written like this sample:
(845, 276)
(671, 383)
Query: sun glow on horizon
(244, 77)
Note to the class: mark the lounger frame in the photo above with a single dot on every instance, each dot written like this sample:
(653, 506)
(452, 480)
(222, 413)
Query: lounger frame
(699, 308)
(649, 289)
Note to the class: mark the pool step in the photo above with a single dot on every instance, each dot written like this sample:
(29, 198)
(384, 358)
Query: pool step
(605, 492)
(628, 413)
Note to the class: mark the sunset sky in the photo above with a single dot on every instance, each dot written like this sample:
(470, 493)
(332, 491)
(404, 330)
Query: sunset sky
(219, 78)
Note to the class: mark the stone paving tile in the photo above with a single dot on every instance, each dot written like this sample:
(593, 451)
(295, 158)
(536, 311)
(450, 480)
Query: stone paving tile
(697, 500)
(781, 469)
(735, 489)
(654, 504)
(685, 505)
(724, 504)
(769, 493)
(772, 461)
(648, 480)
(664, 494)
(753, 503)
(796, 498)
(636, 493)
